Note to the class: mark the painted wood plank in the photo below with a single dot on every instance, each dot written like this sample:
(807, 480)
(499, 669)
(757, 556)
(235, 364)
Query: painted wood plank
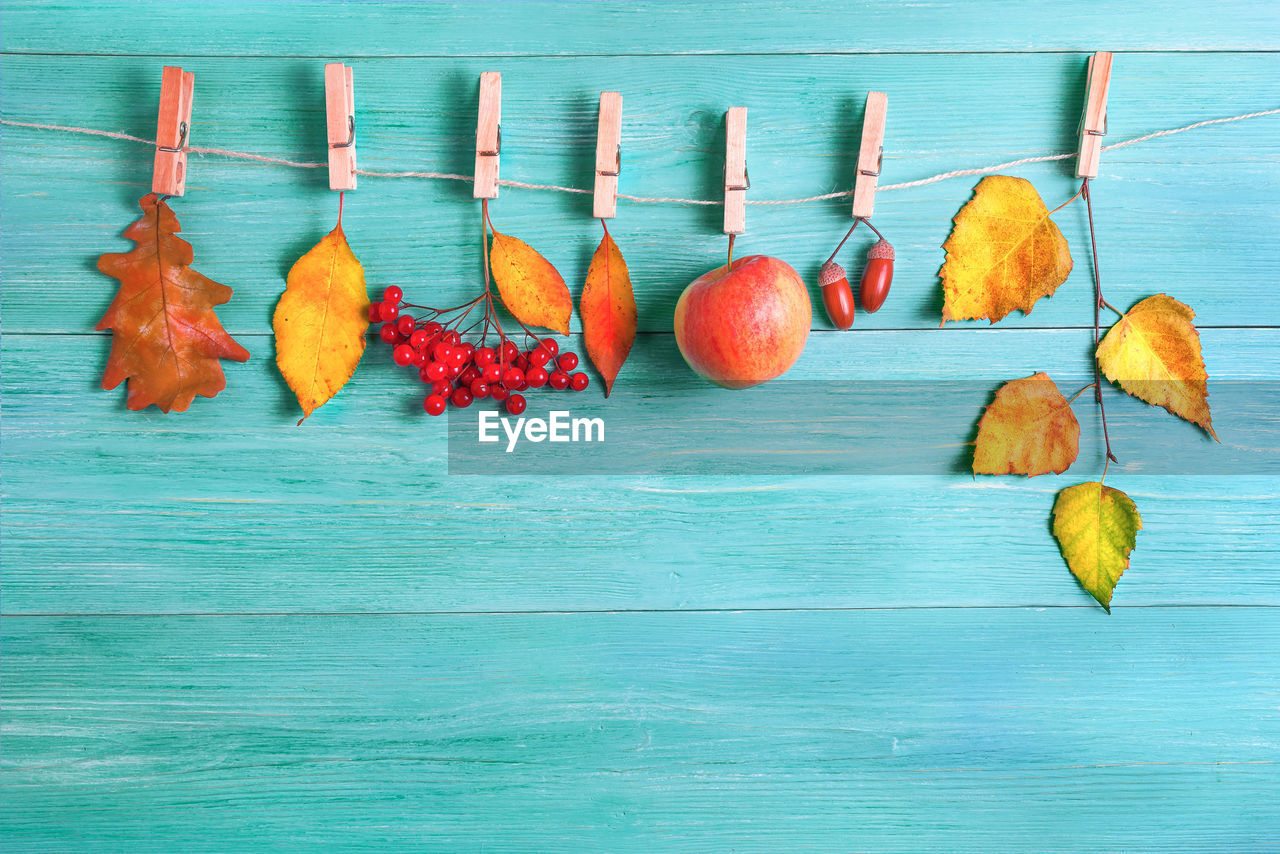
(1191, 214)
(1057, 730)
(229, 507)
(613, 28)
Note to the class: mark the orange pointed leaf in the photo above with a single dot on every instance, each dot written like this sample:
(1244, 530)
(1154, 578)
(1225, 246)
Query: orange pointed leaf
(1029, 429)
(1004, 253)
(531, 288)
(608, 310)
(1153, 352)
(165, 337)
(321, 320)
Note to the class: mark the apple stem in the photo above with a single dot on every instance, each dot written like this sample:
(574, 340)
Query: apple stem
(729, 263)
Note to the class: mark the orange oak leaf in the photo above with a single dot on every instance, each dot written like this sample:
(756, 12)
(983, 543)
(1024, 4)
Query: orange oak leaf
(1153, 352)
(321, 320)
(1004, 253)
(531, 288)
(165, 337)
(1028, 429)
(608, 310)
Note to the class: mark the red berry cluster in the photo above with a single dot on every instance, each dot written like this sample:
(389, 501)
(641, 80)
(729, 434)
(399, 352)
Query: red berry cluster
(459, 371)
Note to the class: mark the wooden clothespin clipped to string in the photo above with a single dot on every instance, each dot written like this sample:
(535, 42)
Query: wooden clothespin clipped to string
(608, 155)
(1093, 120)
(173, 129)
(340, 110)
(488, 135)
(736, 179)
(870, 155)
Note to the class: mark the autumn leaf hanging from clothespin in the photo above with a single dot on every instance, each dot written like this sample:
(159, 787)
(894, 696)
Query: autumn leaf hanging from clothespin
(166, 339)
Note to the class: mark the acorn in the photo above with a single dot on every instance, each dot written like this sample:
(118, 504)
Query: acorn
(878, 275)
(837, 296)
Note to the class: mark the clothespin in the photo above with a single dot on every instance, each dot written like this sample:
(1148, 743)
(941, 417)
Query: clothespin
(340, 109)
(608, 155)
(736, 179)
(169, 177)
(488, 135)
(1093, 120)
(870, 155)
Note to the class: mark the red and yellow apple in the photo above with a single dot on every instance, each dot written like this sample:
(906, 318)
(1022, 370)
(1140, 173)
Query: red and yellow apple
(744, 323)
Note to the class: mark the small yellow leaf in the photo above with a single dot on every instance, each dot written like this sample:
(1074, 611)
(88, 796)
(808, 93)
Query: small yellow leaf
(321, 320)
(1003, 254)
(1096, 528)
(1153, 352)
(608, 310)
(531, 288)
(1029, 429)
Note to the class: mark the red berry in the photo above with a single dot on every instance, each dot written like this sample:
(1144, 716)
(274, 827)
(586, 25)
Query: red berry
(492, 373)
(403, 354)
(515, 404)
(462, 397)
(392, 294)
(435, 371)
(539, 356)
(419, 357)
(512, 377)
(375, 312)
(484, 357)
(498, 393)
(469, 375)
(389, 311)
(388, 333)
(442, 351)
(405, 324)
(442, 387)
(579, 381)
(458, 357)
(558, 380)
(568, 361)
(418, 338)
(433, 328)
(451, 337)
(434, 404)
(479, 388)
(536, 377)
(469, 349)
(509, 351)
(552, 347)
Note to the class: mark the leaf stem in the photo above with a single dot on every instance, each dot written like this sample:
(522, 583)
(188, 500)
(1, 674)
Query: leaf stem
(341, 198)
(1079, 193)
(1082, 391)
(1098, 303)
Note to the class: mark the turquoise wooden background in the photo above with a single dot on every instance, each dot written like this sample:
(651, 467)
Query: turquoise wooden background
(222, 632)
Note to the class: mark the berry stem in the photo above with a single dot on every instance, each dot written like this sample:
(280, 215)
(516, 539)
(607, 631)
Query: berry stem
(1098, 303)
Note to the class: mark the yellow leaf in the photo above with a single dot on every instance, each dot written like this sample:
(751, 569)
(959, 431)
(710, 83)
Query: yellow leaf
(321, 320)
(531, 288)
(1029, 429)
(1096, 528)
(1003, 254)
(1153, 352)
(608, 310)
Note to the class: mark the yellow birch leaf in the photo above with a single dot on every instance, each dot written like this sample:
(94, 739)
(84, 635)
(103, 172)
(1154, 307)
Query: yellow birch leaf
(608, 310)
(1004, 253)
(1096, 528)
(1028, 429)
(531, 288)
(1153, 352)
(321, 320)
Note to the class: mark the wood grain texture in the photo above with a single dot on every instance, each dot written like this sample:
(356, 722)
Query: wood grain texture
(391, 657)
(490, 28)
(1057, 730)
(1165, 220)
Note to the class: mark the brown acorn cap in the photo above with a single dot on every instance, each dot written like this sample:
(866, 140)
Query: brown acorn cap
(831, 273)
(880, 249)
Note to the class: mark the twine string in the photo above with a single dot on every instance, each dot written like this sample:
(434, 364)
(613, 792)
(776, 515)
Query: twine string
(651, 200)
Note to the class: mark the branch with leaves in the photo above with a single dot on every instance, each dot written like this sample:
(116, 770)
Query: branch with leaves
(1005, 253)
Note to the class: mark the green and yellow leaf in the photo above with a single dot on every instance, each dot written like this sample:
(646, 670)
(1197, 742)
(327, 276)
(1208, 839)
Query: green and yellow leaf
(1096, 528)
